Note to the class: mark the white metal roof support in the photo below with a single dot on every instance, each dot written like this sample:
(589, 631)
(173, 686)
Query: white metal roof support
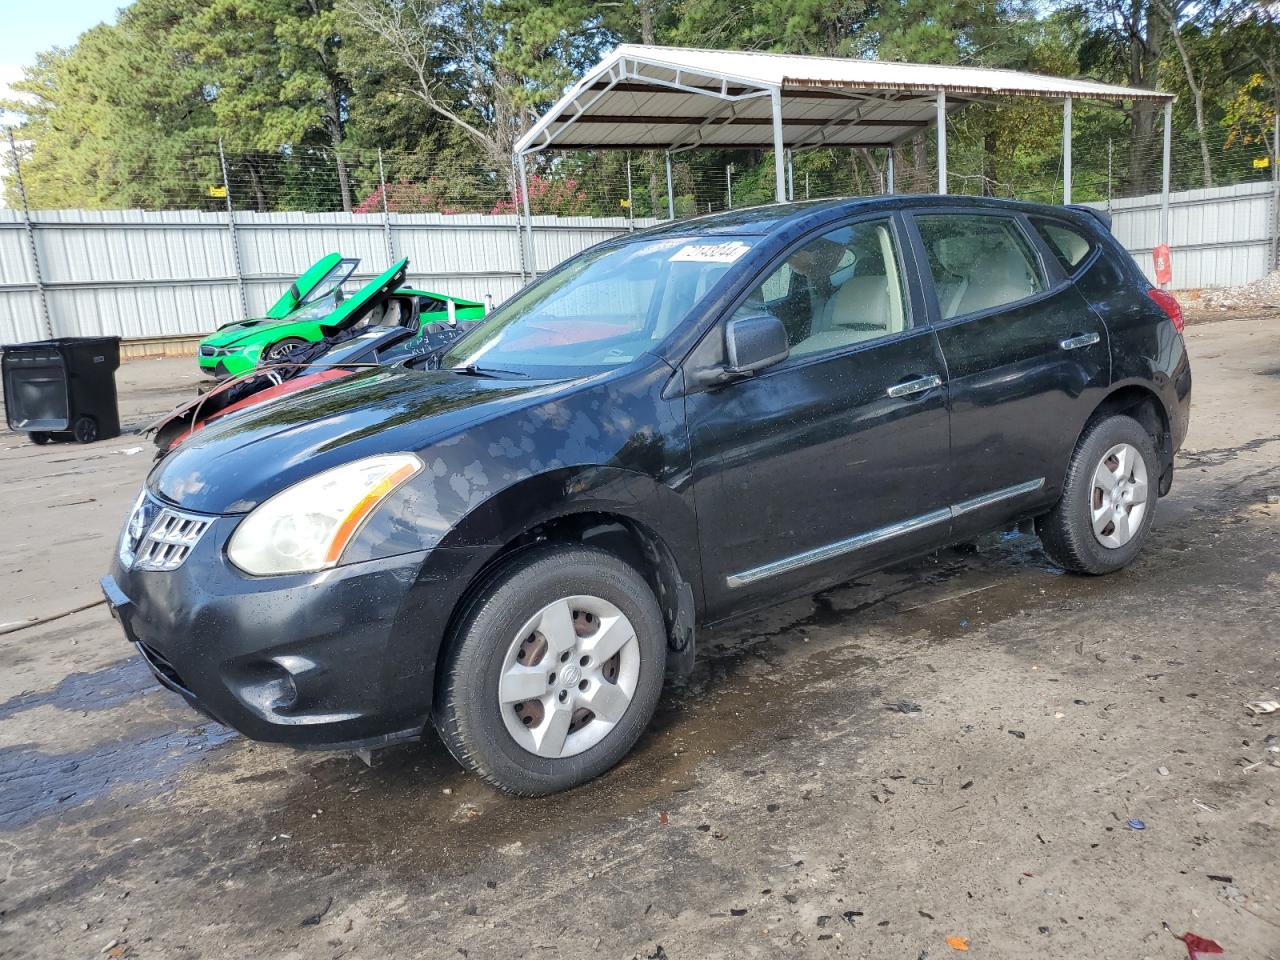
(671, 197)
(779, 161)
(528, 218)
(791, 176)
(1066, 150)
(888, 168)
(942, 141)
(1164, 174)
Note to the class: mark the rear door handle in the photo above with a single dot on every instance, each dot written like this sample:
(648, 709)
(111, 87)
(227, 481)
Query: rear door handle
(909, 387)
(1083, 340)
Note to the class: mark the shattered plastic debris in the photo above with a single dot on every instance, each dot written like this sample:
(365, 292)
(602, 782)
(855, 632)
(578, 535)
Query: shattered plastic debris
(1259, 707)
(958, 943)
(1135, 824)
(1199, 946)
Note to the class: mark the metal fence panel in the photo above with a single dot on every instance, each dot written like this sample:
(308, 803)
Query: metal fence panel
(173, 273)
(1219, 237)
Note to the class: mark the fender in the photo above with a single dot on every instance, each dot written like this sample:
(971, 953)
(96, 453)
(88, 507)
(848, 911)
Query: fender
(471, 544)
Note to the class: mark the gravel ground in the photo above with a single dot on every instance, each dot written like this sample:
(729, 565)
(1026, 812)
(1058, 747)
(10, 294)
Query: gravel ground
(783, 804)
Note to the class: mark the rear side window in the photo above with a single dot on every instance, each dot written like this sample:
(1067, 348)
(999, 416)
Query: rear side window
(1069, 245)
(978, 262)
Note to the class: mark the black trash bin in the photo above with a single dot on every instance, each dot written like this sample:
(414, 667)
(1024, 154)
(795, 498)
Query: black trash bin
(66, 385)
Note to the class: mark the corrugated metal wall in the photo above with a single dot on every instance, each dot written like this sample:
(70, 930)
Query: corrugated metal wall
(154, 274)
(173, 273)
(1220, 237)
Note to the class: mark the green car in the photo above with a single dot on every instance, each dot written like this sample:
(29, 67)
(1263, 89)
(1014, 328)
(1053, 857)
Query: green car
(314, 308)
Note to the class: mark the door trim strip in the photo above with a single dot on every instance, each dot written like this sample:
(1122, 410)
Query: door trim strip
(850, 544)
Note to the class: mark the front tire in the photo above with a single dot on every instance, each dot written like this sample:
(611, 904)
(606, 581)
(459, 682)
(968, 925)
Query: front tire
(1108, 501)
(554, 671)
(278, 350)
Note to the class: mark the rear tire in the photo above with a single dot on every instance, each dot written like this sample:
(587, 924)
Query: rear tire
(39, 437)
(1108, 501)
(553, 672)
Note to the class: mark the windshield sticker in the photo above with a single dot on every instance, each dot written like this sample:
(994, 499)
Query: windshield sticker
(729, 252)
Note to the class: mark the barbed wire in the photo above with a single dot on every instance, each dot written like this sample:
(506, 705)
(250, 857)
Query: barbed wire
(315, 179)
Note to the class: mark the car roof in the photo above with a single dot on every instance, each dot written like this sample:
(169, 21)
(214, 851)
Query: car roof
(773, 217)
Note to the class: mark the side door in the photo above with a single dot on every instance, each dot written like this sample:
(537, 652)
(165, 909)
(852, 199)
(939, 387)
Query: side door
(835, 459)
(1027, 360)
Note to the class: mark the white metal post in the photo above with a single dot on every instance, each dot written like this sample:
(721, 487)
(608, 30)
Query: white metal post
(631, 207)
(791, 176)
(779, 160)
(1275, 194)
(728, 183)
(889, 172)
(671, 197)
(231, 227)
(386, 210)
(1164, 173)
(1066, 150)
(527, 245)
(942, 141)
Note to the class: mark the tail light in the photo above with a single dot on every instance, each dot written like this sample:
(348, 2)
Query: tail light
(1166, 301)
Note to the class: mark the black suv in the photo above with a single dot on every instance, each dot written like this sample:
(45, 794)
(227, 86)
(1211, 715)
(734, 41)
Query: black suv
(514, 539)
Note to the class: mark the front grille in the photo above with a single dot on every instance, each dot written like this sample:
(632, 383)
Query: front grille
(161, 665)
(160, 538)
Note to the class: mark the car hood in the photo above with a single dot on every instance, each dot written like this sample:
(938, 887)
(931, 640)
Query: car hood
(236, 462)
(233, 333)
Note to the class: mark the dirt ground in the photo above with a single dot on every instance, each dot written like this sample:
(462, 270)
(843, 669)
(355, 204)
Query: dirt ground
(1081, 772)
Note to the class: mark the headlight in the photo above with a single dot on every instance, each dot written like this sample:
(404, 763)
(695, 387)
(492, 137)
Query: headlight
(307, 526)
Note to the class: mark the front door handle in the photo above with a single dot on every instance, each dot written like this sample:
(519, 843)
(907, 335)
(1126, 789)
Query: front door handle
(1083, 340)
(909, 387)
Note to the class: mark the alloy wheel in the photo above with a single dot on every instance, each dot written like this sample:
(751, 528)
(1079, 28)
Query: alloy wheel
(568, 676)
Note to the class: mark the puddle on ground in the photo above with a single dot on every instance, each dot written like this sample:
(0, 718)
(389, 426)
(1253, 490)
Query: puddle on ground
(96, 690)
(34, 784)
(756, 683)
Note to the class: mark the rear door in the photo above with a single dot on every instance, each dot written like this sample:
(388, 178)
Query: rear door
(1027, 359)
(833, 460)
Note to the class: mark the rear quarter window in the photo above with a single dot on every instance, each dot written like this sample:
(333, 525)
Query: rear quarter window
(1069, 245)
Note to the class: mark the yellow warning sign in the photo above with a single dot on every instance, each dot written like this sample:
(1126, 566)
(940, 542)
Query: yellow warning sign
(1261, 163)
(221, 192)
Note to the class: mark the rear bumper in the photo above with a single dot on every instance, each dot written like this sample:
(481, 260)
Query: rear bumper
(310, 661)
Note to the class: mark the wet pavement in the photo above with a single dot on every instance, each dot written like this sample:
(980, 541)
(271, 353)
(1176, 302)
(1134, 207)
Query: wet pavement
(783, 803)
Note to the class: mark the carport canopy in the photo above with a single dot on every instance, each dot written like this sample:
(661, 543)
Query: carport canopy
(678, 98)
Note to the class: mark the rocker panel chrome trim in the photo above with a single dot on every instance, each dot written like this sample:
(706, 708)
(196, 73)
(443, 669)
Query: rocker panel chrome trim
(840, 547)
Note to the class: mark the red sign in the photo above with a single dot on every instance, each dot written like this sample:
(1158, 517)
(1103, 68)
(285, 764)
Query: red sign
(1164, 265)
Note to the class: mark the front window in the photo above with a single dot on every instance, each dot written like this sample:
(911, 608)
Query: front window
(327, 286)
(601, 309)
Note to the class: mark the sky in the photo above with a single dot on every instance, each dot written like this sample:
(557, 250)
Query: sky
(34, 25)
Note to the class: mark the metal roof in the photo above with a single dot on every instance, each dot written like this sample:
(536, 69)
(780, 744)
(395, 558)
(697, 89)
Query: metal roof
(677, 97)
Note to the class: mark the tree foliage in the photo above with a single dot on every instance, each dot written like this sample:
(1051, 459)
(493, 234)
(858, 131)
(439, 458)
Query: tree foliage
(317, 102)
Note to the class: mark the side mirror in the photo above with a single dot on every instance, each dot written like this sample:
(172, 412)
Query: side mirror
(753, 343)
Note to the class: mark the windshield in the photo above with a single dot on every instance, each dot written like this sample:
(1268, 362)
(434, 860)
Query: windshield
(601, 309)
(315, 310)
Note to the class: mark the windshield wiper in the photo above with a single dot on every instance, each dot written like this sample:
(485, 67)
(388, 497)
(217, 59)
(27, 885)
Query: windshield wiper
(471, 370)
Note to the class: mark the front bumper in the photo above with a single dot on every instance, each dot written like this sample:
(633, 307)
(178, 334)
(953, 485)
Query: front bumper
(328, 660)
